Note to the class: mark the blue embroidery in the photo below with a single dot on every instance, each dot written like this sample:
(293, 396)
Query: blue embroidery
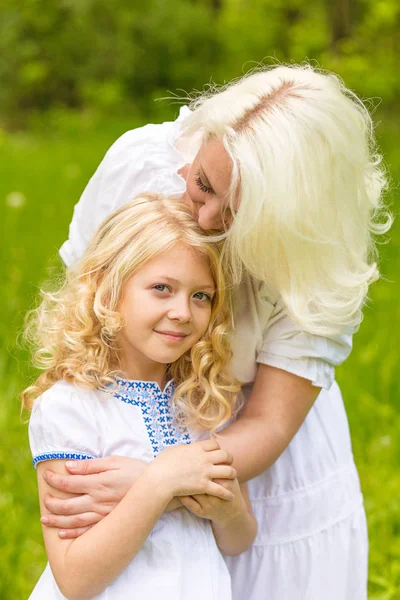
(162, 427)
(60, 455)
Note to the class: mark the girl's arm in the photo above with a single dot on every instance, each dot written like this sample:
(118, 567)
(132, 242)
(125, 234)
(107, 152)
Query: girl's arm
(85, 566)
(236, 534)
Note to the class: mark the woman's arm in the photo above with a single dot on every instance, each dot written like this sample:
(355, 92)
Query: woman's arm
(274, 412)
(278, 404)
(85, 566)
(92, 494)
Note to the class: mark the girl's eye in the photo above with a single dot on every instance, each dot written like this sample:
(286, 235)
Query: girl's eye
(202, 186)
(161, 287)
(203, 297)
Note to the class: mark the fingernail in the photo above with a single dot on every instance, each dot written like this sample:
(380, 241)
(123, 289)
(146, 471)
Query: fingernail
(62, 533)
(44, 520)
(71, 464)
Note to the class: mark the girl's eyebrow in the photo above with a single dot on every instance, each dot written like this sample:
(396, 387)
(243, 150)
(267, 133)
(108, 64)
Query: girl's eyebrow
(206, 286)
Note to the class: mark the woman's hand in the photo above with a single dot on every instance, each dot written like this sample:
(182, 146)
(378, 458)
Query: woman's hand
(233, 523)
(215, 509)
(184, 470)
(98, 484)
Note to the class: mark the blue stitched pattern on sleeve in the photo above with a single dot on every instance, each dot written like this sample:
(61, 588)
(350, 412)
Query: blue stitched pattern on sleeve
(162, 428)
(60, 455)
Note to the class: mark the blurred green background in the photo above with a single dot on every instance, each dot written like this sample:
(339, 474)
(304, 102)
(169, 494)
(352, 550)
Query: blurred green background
(74, 75)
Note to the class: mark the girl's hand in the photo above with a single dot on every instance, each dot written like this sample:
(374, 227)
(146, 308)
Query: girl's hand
(98, 484)
(213, 508)
(184, 470)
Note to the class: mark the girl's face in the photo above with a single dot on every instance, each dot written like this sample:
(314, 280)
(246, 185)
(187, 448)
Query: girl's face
(207, 186)
(166, 307)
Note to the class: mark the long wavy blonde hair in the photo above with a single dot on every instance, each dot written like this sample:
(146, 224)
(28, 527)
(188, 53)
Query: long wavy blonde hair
(310, 182)
(74, 330)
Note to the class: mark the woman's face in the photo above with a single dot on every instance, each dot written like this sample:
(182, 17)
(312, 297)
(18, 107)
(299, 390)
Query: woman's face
(207, 186)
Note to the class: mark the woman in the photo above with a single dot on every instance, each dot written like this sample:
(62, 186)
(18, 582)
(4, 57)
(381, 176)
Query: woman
(283, 160)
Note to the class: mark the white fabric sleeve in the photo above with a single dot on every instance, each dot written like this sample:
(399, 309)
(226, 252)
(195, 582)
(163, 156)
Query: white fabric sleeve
(142, 160)
(285, 346)
(118, 179)
(63, 425)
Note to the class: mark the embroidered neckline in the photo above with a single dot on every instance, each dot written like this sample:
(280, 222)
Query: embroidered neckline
(140, 384)
(165, 427)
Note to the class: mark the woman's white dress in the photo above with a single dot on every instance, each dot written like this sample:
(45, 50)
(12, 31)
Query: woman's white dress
(312, 542)
(180, 559)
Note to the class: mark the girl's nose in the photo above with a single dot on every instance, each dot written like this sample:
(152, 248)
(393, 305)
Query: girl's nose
(180, 310)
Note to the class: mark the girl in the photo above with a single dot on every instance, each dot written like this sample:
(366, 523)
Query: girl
(285, 159)
(135, 349)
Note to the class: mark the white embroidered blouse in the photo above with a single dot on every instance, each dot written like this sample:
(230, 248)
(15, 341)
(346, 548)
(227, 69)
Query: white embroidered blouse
(180, 558)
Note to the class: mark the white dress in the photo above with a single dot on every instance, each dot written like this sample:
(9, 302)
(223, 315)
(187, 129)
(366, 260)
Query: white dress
(180, 559)
(312, 542)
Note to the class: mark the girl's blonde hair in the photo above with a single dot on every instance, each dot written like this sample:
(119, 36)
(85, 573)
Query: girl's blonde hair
(310, 183)
(74, 329)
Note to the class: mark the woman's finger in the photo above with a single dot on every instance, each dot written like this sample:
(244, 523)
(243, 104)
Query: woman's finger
(90, 466)
(76, 484)
(75, 521)
(70, 534)
(69, 506)
(213, 489)
(190, 503)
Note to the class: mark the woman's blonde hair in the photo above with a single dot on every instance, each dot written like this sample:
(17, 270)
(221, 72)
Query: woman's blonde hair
(74, 329)
(310, 182)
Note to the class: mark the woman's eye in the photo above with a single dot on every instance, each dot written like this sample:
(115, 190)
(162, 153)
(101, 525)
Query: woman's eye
(161, 287)
(202, 186)
(202, 296)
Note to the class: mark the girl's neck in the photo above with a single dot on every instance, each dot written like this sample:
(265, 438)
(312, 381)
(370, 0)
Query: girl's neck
(151, 372)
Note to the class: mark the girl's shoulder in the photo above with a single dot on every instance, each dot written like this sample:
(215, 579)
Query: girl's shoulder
(66, 423)
(63, 396)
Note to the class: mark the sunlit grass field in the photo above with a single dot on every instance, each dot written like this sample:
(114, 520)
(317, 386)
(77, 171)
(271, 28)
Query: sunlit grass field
(43, 172)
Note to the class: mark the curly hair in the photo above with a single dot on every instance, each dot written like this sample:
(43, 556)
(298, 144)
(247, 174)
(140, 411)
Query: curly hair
(74, 330)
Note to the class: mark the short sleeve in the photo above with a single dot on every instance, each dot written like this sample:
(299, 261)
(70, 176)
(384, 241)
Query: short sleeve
(285, 346)
(142, 160)
(64, 425)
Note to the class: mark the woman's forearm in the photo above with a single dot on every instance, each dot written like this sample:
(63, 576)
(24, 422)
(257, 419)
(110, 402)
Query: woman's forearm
(255, 445)
(95, 559)
(274, 412)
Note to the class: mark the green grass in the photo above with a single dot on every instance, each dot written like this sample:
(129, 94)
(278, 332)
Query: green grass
(42, 174)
